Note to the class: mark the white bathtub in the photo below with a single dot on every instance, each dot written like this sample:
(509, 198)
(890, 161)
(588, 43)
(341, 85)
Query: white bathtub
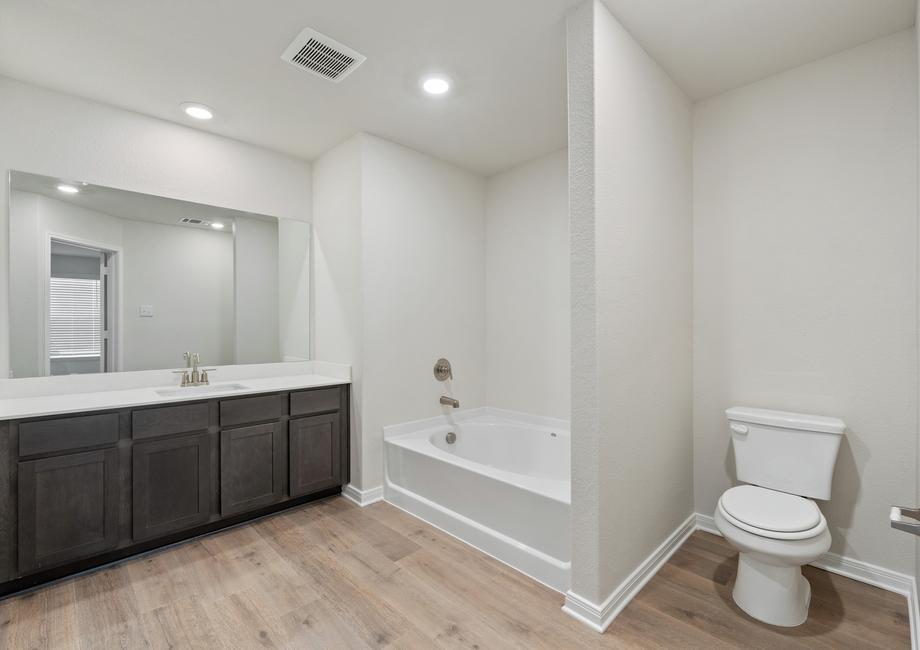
(503, 486)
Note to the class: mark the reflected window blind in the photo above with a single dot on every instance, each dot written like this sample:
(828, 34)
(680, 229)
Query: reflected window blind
(75, 326)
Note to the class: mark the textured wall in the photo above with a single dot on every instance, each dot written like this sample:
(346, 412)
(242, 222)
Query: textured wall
(805, 288)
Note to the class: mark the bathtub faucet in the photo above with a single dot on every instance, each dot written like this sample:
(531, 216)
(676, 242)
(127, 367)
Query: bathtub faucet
(449, 401)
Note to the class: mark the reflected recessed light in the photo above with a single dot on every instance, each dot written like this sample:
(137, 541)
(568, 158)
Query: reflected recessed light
(435, 84)
(198, 111)
(217, 226)
(67, 189)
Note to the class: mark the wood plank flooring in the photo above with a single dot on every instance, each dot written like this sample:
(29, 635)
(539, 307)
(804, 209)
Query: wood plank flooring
(332, 575)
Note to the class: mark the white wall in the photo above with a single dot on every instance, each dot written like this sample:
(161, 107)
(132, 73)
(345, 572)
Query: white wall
(255, 270)
(630, 186)
(338, 325)
(527, 288)
(423, 276)
(399, 282)
(55, 134)
(805, 289)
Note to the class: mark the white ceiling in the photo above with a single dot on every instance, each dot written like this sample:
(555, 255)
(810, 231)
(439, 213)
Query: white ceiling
(710, 46)
(507, 58)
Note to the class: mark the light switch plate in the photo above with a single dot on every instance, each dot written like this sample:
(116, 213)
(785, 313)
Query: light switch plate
(146, 311)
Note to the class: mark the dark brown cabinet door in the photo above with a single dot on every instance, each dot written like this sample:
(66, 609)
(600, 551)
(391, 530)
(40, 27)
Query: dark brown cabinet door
(315, 453)
(172, 485)
(68, 508)
(251, 467)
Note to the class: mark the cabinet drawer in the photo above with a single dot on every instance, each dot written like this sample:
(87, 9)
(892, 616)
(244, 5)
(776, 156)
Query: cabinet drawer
(246, 410)
(65, 434)
(322, 400)
(167, 420)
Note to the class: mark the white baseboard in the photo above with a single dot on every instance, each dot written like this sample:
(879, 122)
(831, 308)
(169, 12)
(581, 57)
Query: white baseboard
(913, 611)
(363, 497)
(856, 569)
(860, 571)
(600, 616)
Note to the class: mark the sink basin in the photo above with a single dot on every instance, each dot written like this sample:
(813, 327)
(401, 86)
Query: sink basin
(190, 391)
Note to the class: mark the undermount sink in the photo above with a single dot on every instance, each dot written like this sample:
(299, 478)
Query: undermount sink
(200, 390)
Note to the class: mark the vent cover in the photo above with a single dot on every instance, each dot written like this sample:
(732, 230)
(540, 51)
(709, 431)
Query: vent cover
(195, 221)
(321, 55)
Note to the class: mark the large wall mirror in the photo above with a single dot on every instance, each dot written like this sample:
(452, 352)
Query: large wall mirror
(107, 280)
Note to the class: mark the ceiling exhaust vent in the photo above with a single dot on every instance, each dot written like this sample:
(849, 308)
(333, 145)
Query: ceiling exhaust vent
(321, 55)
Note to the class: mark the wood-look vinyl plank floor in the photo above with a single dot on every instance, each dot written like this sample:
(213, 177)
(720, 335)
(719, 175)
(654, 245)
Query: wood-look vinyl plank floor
(332, 575)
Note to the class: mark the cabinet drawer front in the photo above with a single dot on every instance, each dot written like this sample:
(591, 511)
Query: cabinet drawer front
(64, 434)
(68, 508)
(251, 467)
(315, 454)
(323, 400)
(246, 410)
(167, 420)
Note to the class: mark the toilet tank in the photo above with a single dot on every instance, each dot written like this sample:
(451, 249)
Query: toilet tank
(789, 452)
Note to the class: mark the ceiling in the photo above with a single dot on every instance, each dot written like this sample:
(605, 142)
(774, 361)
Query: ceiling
(506, 58)
(129, 205)
(710, 46)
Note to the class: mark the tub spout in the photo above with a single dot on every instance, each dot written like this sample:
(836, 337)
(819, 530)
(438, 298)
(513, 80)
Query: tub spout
(449, 401)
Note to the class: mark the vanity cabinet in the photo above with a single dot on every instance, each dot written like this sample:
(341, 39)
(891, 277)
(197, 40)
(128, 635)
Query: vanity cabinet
(315, 453)
(251, 467)
(86, 489)
(68, 508)
(171, 485)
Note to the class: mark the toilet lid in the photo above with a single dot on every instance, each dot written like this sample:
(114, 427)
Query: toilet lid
(770, 510)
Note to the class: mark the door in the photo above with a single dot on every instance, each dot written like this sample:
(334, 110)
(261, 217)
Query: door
(251, 467)
(172, 485)
(315, 453)
(68, 508)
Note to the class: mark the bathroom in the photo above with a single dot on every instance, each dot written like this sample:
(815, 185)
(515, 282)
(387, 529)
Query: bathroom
(417, 350)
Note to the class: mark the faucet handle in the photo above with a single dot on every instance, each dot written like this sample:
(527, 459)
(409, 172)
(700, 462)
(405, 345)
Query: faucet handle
(204, 375)
(185, 378)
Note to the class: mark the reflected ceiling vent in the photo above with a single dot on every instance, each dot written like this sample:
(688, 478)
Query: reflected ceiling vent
(321, 55)
(193, 221)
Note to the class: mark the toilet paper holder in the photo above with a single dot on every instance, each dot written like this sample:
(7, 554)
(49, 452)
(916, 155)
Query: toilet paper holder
(906, 519)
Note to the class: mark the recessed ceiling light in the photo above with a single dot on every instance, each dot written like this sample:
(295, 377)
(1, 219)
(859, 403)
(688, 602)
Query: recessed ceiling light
(67, 189)
(217, 225)
(198, 111)
(435, 84)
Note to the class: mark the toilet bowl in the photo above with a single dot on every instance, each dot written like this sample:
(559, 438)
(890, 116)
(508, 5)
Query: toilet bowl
(776, 533)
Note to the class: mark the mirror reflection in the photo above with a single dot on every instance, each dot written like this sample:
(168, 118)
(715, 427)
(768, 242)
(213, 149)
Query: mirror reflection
(107, 280)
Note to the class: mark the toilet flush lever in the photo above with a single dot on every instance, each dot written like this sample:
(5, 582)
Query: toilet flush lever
(740, 429)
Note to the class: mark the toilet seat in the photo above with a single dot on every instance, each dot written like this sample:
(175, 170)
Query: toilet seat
(771, 514)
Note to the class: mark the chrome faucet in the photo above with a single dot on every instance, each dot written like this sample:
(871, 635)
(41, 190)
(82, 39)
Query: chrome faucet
(193, 375)
(449, 401)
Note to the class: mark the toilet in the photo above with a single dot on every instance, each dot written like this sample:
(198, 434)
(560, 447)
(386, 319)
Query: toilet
(785, 460)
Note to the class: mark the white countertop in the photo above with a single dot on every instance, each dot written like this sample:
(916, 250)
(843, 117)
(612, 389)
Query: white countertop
(14, 408)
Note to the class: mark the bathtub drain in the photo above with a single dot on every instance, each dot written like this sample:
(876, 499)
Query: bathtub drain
(451, 437)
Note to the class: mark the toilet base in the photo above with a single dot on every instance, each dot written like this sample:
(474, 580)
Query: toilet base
(778, 595)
